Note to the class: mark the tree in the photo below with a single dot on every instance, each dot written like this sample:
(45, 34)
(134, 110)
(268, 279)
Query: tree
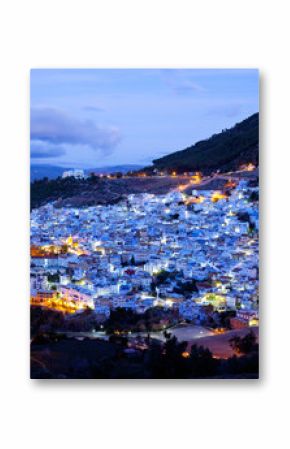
(254, 196)
(93, 178)
(53, 277)
(166, 335)
(202, 362)
(244, 345)
(186, 287)
(174, 364)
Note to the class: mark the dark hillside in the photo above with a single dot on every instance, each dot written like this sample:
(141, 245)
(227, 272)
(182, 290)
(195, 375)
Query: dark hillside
(94, 190)
(224, 151)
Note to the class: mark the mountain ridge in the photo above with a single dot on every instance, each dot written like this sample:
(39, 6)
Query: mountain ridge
(226, 150)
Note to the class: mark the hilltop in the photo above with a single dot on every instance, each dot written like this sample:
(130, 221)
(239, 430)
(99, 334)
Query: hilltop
(225, 151)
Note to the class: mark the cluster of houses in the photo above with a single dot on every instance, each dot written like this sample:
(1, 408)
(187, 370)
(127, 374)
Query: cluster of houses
(138, 253)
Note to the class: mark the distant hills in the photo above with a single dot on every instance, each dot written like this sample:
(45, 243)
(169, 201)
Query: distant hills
(45, 171)
(53, 171)
(115, 169)
(224, 151)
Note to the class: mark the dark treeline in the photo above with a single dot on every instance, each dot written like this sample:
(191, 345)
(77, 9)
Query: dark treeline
(54, 355)
(45, 190)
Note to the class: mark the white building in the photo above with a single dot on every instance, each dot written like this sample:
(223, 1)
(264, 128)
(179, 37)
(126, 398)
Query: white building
(76, 173)
(78, 295)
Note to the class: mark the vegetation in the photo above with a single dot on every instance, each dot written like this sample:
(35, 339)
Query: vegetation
(57, 357)
(244, 345)
(153, 319)
(53, 278)
(53, 355)
(45, 190)
(254, 197)
(163, 276)
(186, 288)
(67, 192)
(44, 321)
(172, 361)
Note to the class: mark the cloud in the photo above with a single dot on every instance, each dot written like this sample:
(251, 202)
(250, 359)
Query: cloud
(50, 129)
(187, 86)
(40, 149)
(93, 109)
(180, 82)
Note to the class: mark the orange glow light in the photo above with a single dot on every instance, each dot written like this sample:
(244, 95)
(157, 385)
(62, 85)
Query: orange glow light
(196, 179)
(230, 184)
(216, 196)
(247, 167)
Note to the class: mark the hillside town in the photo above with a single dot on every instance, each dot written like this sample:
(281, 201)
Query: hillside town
(193, 254)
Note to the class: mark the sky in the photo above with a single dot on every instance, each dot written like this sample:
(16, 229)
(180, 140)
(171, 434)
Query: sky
(87, 118)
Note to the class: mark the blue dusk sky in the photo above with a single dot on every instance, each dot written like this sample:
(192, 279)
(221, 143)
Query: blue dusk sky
(100, 117)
